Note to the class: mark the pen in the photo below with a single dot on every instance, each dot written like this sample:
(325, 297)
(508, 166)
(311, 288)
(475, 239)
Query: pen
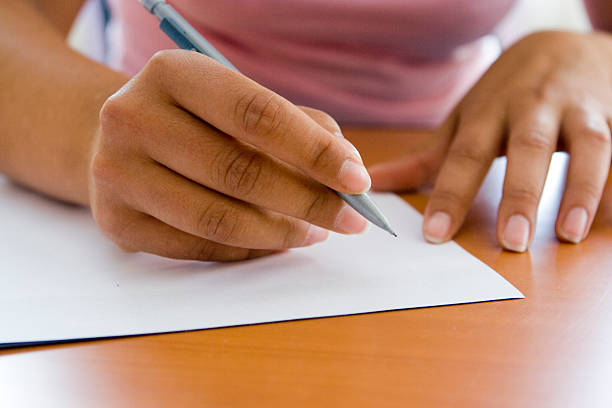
(188, 38)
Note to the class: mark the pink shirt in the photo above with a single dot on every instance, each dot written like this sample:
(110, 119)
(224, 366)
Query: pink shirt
(384, 62)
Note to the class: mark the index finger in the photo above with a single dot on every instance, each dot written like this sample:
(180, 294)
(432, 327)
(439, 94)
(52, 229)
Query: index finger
(475, 145)
(247, 111)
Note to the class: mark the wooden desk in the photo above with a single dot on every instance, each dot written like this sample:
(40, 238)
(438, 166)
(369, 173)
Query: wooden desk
(553, 349)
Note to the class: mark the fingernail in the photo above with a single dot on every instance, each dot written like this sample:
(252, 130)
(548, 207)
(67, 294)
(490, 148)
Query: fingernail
(350, 222)
(354, 177)
(354, 150)
(516, 234)
(575, 224)
(436, 227)
(315, 234)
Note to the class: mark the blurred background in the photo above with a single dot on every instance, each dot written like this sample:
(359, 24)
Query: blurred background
(547, 14)
(535, 15)
(526, 17)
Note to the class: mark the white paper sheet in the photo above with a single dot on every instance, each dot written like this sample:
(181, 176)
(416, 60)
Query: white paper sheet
(61, 279)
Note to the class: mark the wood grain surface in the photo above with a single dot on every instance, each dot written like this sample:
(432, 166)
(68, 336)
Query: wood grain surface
(552, 349)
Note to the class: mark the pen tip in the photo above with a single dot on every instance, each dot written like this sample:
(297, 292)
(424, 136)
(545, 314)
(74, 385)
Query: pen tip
(385, 226)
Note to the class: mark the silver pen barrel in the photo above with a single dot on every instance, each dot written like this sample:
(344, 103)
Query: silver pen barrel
(164, 11)
(364, 205)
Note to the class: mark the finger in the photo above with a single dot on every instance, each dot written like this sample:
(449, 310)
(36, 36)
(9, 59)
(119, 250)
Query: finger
(224, 164)
(415, 169)
(207, 214)
(533, 134)
(407, 173)
(243, 109)
(476, 144)
(587, 136)
(324, 120)
(137, 232)
(330, 124)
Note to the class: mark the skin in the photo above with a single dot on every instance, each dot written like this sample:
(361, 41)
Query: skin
(172, 166)
(553, 91)
(187, 159)
(238, 173)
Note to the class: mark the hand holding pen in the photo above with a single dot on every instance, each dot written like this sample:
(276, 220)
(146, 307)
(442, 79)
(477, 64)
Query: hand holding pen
(187, 38)
(194, 160)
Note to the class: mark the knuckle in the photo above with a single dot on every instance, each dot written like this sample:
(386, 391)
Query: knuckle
(241, 173)
(322, 118)
(203, 250)
(113, 226)
(103, 170)
(260, 114)
(544, 91)
(113, 112)
(548, 88)
(316, 207)
(587, 192)
(522, 194)
(448, 199)
(161, 61)
(217, 222)
(597, 136)
(292, 236)
(533, 140)
(321, 154)
(119, 119)
(469, 154)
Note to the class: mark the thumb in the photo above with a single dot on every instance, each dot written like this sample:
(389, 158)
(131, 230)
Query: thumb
(409, 172)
